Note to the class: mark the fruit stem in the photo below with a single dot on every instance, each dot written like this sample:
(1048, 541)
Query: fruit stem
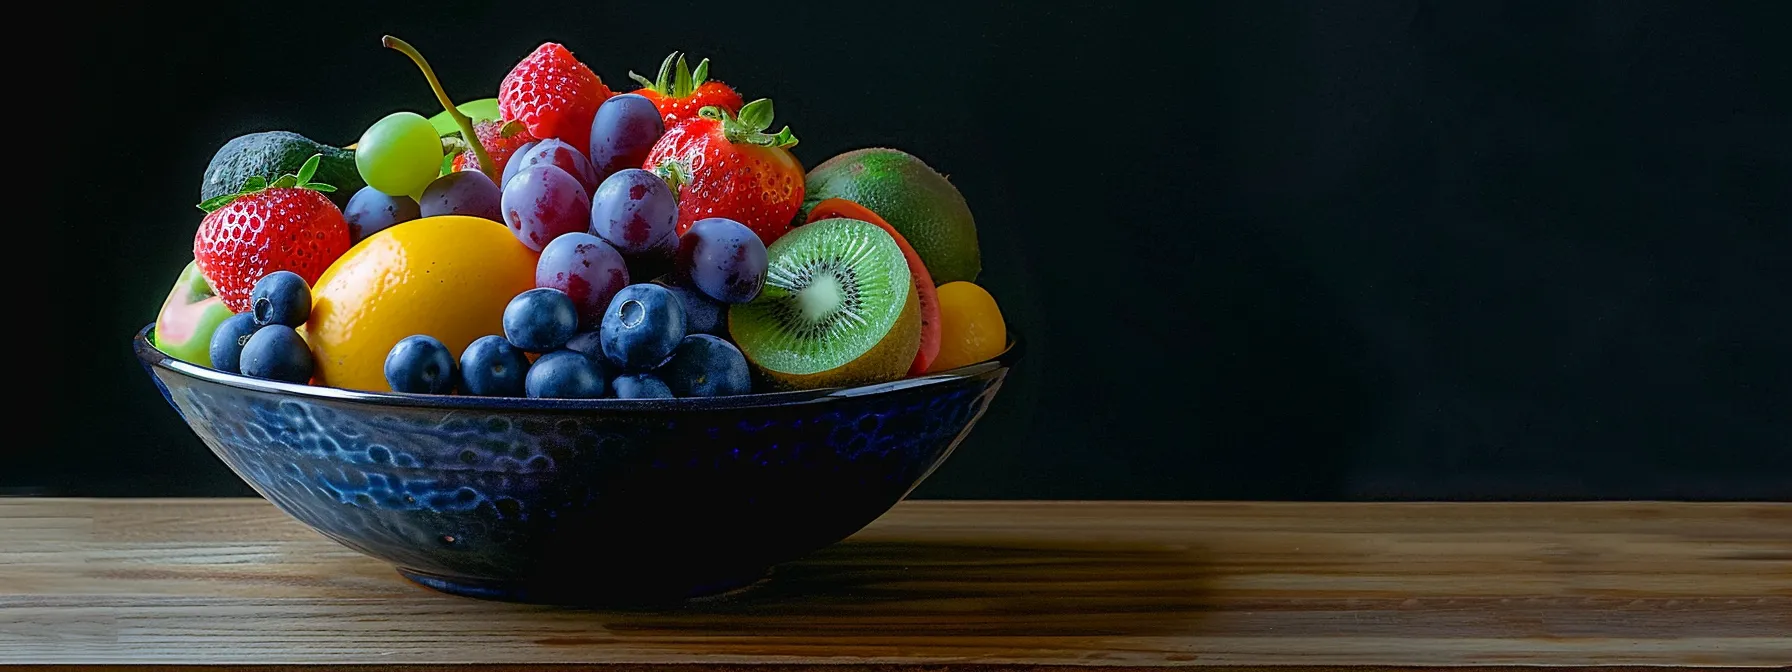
(749, 126)
(676, 79)
(461, 120)
(674, 176)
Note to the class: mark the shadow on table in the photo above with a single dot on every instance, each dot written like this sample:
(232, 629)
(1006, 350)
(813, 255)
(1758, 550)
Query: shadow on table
(886, 589)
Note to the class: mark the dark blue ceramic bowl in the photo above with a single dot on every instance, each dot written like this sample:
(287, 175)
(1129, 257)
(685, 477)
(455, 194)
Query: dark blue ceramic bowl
(580, 501)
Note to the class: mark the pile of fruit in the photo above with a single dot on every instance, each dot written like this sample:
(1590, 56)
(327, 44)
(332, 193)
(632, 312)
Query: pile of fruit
(562, 241)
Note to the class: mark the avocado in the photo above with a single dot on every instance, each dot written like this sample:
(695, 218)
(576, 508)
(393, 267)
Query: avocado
(270, 154)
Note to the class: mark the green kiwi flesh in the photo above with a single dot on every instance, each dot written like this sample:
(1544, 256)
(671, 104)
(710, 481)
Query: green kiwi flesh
(838, 309)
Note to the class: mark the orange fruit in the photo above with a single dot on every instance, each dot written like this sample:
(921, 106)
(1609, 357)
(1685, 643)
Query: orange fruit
(971, 327)
(449, 277)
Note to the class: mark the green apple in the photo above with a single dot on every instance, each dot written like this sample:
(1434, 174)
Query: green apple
(188, 318)
(484, 109)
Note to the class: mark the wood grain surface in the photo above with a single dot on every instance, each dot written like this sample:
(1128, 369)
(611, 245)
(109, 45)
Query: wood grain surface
(941, 585)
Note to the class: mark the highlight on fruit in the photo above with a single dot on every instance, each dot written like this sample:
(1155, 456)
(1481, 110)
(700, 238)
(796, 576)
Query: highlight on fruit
(562, 240)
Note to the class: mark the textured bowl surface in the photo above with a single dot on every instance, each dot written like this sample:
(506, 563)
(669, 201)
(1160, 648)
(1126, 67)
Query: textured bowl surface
(580, 501)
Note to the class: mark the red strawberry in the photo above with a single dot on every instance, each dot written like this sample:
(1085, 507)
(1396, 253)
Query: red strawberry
(553, 94)
(497, 144)
(722, 166)
(286, 226)
(680, 95)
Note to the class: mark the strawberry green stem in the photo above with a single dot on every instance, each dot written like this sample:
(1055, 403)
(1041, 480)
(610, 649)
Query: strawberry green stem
(674, 176)
(257, 184)
(676, 80)
(461, 120)
(750, 125)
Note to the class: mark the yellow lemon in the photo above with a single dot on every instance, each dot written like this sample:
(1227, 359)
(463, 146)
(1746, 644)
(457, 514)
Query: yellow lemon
(971, 327)
(448, 277)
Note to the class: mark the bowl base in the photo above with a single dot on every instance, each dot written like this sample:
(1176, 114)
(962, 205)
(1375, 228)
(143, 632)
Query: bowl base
(561, 594)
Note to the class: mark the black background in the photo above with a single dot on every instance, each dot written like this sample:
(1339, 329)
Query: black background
(1258, 249)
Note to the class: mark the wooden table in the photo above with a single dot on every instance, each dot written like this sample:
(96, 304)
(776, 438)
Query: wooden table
(942, 585)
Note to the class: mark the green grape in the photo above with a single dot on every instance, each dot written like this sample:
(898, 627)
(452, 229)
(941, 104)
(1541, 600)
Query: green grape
(400, 154)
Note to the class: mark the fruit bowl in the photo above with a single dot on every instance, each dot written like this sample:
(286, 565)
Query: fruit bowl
(591, 501)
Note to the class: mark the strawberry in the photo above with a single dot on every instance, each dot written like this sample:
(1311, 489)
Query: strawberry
(285, 226)
(723, 166)
(501, 139)
(553, 94)
(680, 95)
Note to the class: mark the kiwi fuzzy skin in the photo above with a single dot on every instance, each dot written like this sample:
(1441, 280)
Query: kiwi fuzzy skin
(914, 198)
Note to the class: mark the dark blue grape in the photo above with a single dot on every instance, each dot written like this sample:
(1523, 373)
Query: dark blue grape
(543, 202)
(510, 167)
(228, 341)
(587, 269)
(276, 352)
(492, 367)
(564, 374)
(623, 132)
(540, 320)
(281, 297)
(560, 154)
(463, 192)
(706, 366)
(371, 211)
(641, 327)
(636, 212)
(721, 258)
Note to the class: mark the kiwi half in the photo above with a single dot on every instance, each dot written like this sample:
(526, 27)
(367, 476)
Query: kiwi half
(838, 308)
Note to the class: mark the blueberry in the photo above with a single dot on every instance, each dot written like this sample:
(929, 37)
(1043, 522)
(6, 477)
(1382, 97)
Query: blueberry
(702, 315)
(421, 365)
(706, 366)
(492, 367)
(722, 258)
(281, 297)
(540, 320)
(564, 374)
(588, 342)
(228, 341)
(640, 386)
(641, 327)
(276, 352)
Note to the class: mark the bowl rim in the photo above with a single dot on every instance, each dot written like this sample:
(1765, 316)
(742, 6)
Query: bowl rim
(153, 358)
